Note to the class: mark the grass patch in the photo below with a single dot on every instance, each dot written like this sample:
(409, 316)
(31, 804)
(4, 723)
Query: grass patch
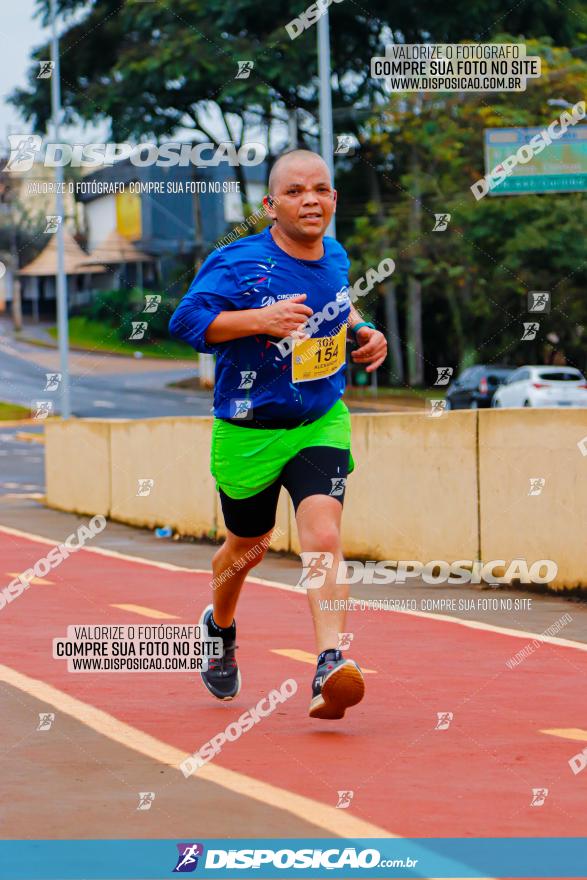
(10, 411)
(91, 335)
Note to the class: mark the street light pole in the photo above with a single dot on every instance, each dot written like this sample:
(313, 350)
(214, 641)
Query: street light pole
(61, 282)
(326, 135)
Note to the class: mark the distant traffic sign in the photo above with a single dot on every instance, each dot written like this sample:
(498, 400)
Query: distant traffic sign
(560, 167)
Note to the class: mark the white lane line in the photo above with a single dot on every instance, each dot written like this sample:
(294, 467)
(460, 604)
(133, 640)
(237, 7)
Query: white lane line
(330, 819)
(277, 585)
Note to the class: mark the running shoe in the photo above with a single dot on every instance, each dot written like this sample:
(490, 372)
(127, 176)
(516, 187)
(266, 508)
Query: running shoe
(222, 678)
(338, 684)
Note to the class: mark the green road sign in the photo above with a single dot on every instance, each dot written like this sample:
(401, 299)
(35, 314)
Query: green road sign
(560, 167)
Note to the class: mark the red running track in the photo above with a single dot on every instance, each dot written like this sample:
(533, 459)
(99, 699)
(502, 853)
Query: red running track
(474, 779)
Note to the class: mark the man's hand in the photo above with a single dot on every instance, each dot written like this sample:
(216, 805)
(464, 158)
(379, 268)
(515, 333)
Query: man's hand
(372, 348)
(284, 318)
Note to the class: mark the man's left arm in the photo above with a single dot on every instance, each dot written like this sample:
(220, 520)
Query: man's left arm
(372, 343)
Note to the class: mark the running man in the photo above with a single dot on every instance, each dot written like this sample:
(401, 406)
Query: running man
(275, 310)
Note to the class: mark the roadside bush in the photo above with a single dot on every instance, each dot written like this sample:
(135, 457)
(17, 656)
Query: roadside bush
(119, 308)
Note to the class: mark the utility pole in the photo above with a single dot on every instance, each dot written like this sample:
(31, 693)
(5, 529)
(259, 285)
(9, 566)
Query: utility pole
(61, 281)
(324, 75)
(7, 197)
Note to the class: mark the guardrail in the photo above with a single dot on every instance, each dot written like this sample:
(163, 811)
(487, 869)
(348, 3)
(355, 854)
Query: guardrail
(488, 484)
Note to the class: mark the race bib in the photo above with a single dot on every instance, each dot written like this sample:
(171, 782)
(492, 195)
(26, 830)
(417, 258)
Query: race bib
(318, 357)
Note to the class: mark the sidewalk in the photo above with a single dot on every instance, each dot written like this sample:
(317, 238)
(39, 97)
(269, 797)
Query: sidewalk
(82, 362)
(537, 614)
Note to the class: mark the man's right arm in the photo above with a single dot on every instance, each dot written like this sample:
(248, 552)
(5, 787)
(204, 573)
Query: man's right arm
(198, 322)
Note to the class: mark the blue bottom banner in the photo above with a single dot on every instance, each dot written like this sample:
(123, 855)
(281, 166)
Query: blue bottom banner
(279, 857)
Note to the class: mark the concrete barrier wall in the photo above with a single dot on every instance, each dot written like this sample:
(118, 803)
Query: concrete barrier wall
(413, 494)
(520, 446)
(77, 465)
(174, 454)
(447, 488)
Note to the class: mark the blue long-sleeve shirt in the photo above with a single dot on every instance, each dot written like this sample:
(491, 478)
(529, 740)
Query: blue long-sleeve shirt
(253, 273)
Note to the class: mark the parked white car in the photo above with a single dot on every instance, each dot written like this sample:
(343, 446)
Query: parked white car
(543, 386)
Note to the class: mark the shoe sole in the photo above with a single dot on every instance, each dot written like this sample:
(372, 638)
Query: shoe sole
(344, 687)
(222, 697)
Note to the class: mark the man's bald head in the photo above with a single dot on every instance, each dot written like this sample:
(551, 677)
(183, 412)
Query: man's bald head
(302, 200)
(287, 162)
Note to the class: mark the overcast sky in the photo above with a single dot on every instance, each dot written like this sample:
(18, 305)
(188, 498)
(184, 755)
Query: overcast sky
(20, 32)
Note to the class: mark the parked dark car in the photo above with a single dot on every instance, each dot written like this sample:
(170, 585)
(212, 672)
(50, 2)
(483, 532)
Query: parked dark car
(475, 387)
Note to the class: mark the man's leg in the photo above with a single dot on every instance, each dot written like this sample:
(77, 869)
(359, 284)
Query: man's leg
(249, 524)
(316, 480)
(318, 520)
(230, 566)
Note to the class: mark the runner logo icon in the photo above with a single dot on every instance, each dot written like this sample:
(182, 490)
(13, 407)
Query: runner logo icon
(247, 378)
(338, 485)
(187, 860)
(314, 569)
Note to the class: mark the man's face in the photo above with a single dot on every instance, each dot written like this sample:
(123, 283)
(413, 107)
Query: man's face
(303, 198)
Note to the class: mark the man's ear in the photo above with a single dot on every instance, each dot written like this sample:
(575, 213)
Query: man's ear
(269, 202)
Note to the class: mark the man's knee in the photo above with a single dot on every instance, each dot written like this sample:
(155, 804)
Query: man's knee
(246, 553)
(324, 536)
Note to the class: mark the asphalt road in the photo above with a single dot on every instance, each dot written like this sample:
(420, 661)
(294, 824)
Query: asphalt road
(102, 386)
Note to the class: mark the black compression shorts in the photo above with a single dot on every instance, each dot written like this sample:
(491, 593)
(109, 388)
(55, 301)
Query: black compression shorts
(316, 470)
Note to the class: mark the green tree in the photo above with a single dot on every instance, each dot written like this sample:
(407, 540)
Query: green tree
(475, 276)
